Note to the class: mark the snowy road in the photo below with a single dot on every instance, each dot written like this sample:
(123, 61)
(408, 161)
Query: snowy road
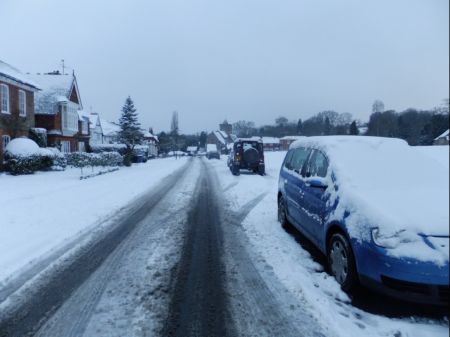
(199, 255)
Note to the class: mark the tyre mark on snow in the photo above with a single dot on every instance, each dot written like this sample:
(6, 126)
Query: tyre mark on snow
(81, 307)
(230, 186)
(260, 304)
(26, 318)
(199, 304)
(247, 208)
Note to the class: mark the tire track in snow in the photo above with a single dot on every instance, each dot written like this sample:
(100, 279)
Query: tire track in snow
(59, 283)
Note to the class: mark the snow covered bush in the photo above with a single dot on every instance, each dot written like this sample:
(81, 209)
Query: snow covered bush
(100, 148)
(24, 156)
(83, 159)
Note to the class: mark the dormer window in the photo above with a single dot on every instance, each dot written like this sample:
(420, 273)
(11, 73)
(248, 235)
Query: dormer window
(22, 103)
(4, 98)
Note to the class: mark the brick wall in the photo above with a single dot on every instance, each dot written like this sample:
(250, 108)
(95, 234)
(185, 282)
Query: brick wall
(12, 124)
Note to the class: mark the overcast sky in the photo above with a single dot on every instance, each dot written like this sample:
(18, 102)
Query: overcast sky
(236, 59)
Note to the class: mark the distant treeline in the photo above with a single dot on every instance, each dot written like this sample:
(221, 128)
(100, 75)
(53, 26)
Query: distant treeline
(417, 127)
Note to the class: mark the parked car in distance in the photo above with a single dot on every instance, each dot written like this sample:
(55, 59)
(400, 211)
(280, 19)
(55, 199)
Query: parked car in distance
(212, 152)
(376, 207)
(247, 154)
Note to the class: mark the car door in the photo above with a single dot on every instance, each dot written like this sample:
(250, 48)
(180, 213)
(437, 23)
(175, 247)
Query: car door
(314, 197)
(295, 185)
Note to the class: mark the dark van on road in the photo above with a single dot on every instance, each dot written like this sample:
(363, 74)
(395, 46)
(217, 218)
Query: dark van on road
(247, 154)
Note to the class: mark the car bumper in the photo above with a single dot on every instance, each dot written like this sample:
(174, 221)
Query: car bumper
(406, 279)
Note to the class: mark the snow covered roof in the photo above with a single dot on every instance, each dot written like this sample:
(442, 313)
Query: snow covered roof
(271, 140)
(83, 115)
(94, 119)
(16, 75)
(385, 183)
(220, 137)
(55, 88)
(444, 135)
(148, 134)
(292, 137)
(109, 128)
(224, 134)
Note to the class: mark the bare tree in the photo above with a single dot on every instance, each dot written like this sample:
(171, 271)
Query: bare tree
(378, 106)
(174, 129)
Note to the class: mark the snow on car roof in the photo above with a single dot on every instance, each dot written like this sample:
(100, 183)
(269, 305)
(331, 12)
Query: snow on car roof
(385, 183)
(252, 139)
(211, 148)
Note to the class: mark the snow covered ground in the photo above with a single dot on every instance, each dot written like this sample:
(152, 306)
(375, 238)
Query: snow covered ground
(295, 268)
(43, 212)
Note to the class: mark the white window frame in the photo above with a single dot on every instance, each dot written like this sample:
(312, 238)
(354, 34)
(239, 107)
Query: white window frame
(5, 140)
(4, 91)
(22, 103)
(65, 146)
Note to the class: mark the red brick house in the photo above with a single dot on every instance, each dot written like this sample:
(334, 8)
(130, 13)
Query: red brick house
(16, 105)
(286, 141)
(56, 110)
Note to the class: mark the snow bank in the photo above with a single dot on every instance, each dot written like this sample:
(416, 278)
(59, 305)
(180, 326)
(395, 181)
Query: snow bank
(48, 209)
(302, 277)
(388, 184)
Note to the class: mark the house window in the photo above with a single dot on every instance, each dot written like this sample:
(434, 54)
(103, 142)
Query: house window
(22, 103)
(5, 140)
(4, 98)
(65, 146)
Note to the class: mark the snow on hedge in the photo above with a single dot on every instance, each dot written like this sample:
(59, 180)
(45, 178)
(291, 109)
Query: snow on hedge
(386, 183)
(23, 147)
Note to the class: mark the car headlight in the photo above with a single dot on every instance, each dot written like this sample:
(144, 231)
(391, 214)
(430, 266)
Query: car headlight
(391, 240)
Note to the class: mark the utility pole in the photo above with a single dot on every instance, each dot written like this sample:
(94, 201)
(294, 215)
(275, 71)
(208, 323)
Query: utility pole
(63, 67)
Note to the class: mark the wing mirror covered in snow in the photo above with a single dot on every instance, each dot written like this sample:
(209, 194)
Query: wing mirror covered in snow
(316, 182)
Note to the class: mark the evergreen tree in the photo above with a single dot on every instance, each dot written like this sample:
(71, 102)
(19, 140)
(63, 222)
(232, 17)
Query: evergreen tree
(299, 126)
(354, 129)
(327, 127)
(130, 133)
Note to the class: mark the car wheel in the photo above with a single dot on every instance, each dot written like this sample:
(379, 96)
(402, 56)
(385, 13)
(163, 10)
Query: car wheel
(261, 170)
(341, 262)
(282, 218)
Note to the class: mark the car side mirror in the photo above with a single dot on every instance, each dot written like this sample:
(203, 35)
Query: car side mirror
(317, 183)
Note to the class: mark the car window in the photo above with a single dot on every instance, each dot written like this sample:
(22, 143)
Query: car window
(287, 160)
(299, 158)
(318, 165)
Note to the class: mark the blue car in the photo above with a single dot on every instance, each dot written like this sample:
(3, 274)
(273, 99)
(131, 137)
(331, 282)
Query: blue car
(376, 207)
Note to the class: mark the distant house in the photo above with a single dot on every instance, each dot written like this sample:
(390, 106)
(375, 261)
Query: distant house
(222, 140)
(442, 139)
(16, 105)
(84, 133)
(286, 141)
(56, 110)
(271, 143)
(110, 132)
(95, 127)
(192, 150)
(152, 142)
